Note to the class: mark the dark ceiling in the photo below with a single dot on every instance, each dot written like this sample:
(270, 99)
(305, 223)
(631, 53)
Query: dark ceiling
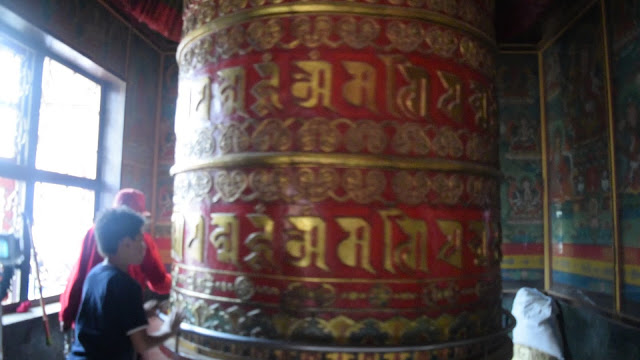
(517, 21)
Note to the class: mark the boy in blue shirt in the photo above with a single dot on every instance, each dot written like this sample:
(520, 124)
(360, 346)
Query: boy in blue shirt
(111, 322)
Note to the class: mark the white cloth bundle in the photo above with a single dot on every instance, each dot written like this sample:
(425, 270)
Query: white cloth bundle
(536, 326)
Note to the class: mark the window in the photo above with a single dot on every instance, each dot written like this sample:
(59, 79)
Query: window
(50, 121)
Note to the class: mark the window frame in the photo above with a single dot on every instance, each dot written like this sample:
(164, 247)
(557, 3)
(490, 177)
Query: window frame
(38, 45)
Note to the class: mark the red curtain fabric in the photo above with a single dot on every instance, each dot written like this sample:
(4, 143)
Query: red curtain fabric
(163, 16)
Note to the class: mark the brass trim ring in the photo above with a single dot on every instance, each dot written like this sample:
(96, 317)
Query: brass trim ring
(282, 159)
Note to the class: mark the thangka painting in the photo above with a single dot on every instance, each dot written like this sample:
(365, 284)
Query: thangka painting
(625, 40)
(578, 162)
(521, 191)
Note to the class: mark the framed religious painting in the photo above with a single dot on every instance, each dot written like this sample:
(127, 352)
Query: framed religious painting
(579, 170)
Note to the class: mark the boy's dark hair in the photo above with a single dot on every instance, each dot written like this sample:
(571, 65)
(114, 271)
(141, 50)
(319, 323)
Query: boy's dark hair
(115, 224)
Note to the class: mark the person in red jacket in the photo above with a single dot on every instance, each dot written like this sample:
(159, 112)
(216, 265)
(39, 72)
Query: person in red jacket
(151, 273)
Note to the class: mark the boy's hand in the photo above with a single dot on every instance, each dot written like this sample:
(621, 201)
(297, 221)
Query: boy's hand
(150, 307)
(172, 324)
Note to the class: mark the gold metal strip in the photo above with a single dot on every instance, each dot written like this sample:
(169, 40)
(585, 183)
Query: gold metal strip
(617, 248)
(487, 276)
(545, 175)
(544, 44)
(330, 8)
(335, 159)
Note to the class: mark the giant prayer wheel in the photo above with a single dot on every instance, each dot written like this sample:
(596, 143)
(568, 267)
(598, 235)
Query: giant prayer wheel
(336, 181)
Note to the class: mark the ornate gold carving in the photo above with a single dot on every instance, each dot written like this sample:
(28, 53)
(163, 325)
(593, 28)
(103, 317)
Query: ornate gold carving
(265, 35)
(363, 189)
(361, 89)
(229, 90)
(411, 189)
(406, 37)
(448, 188)
(358, 34)
(320, 134)
(479, 244)
(317, 134)
(443, 42)
(350, 8)
(200, 99)
(353, 251)
(177, 234)
(197, 13)
(298, 296)
(230, 185)
(367, 135)
(411, 138)
(199, 282)
(195, 243)
(266, 91)
(259, 243)
(243, 288)
(197, 144)
(342, 329)
(312, 32)
(191, 186)
(379, 295)
(234, 139)
(411, 254)
(436, 295)
(312, 86)
(224, 237)
(268, 184)
(450, 102)
(483, 105)
(412, 100)
(361, 186)
(315, 185)
(447, 142)
(451, 251)
(229, 42)
(306, 241)
(197, 54)
(485, 245)
(272, 134)
(230, 6)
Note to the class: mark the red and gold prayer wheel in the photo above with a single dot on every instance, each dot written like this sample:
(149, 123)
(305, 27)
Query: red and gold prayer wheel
(336, 180)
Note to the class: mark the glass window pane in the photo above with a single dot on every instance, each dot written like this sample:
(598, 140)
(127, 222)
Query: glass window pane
(11, 209)
(581, 217)
(69, 122)
(61, 217)
(12, 93)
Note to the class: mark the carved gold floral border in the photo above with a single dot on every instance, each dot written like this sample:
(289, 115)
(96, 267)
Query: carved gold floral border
(198, 13)
(320, 135)
(335, 32)
(342, 329)
(322, 297)
(200, 17)
(294, 184)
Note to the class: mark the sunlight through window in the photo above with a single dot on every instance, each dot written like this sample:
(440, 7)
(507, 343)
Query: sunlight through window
(69, 122)
(11, 93)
